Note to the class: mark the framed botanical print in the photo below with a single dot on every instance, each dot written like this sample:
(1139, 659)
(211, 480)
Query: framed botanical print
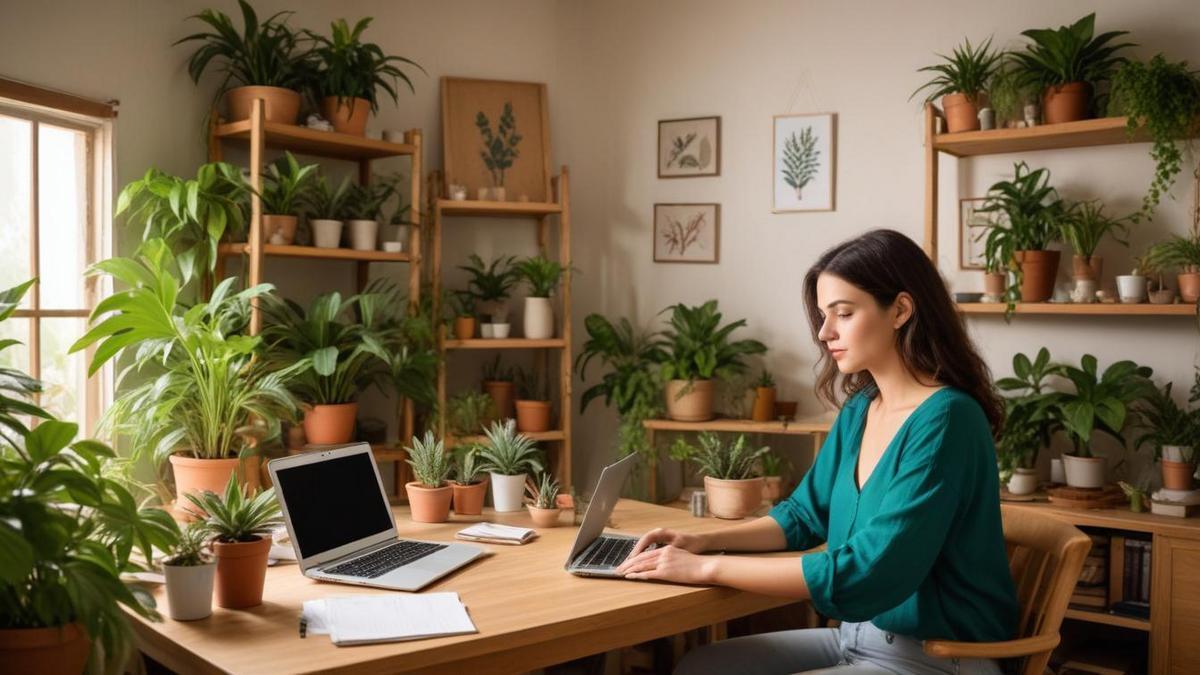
(804, 162)
(687, 233)
(971, 233)
(689, 147)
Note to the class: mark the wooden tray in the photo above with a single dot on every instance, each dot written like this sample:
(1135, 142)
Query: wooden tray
(1106, 497)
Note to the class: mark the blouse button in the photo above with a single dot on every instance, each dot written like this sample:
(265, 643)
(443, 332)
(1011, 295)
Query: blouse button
(889, 637)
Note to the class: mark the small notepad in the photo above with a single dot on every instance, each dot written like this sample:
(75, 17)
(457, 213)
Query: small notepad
(367, 619)
(497, 534)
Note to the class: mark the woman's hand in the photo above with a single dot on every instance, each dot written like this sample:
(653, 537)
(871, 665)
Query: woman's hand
(669, 563)
(649, 546)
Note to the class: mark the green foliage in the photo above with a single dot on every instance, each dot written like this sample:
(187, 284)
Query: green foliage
(530, 387)
(1099, 403)
(968, 70)
(326, 202)
(541, 273)
(507, 452)
(1084, 224)
(467, 412)
(1070, 54)
(429, 461)
(462, 303)
(491, 282)
(467, 467)
(496, 371)
(366, 202)
(348, 68)
(1029, 418)
(236, 515)
(16, 387)
(800, 159)
(765, 380)
(698, 346)
(1165, 422)
(1180, 252)
(718, 459)
(547, 491)
(286, 185)
(1025, 215)
(190, 550)
(205, 387)
(1164, 99)
(191, 216)
(1009, 93)
(774, 464)
(499, 147)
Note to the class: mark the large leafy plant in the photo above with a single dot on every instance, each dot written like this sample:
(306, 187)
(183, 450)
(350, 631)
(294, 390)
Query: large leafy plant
(236, 515)
(507, 452)
(16, 387)
(1070, 54)
(349, 68)
(1029, 418)
(968, 70)
(716, 458)
(1083, 225)
(1100, 402)
(1024, 214)
(698, 347)
(286, 185)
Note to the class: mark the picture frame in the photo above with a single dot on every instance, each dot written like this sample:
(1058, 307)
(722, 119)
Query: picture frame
(689, 147)
(687, 233)
(970, 249)
(804, 162)
(516, 114)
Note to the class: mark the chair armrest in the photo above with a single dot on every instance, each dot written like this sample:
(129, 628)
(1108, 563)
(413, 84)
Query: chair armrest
(992, 650)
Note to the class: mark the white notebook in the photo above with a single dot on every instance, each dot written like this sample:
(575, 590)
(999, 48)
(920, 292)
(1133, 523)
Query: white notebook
(366, 619)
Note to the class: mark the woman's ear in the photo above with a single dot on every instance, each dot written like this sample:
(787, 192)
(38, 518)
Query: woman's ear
(902, 310)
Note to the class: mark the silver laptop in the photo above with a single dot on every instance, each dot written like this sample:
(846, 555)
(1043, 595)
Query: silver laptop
(596, 554)
(341, 524)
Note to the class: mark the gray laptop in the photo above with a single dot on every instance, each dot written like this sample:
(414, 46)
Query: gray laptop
(341, 524)
(596, 554)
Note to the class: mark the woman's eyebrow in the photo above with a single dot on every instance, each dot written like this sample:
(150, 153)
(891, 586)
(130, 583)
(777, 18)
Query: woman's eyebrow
(838, 302)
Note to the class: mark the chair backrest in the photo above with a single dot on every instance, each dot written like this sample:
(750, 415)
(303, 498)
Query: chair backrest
(1045, 556)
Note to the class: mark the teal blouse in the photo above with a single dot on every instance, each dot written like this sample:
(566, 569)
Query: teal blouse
(920, 551)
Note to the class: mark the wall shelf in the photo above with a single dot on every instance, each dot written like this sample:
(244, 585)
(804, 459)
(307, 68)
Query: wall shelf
(315, 142)
(505, 343)
(1081, 134)
(314, 252)
(1073, 309)
(488, 209)
(551, 436)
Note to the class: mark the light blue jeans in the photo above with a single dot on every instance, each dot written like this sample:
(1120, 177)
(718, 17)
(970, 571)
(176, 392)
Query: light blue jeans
(851, 649)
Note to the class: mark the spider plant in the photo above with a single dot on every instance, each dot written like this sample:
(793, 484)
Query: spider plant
(698, 347)
(507, 452)
(1180, 252)
(968, 71)
(429, 461)
(326, 202)
(1070, 54)
(366, 202)
(491, 282)
(191, 549)
(349, 68)
(1084, 224)
(236, 515)
(719, 459)
(286, 185)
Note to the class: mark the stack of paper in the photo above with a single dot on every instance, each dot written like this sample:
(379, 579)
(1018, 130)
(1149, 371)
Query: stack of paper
(366, 619)
(497, 534)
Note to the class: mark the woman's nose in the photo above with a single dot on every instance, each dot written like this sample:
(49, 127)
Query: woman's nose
(827, 332)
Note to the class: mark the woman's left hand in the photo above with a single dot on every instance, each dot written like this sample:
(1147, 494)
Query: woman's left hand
(669, 563)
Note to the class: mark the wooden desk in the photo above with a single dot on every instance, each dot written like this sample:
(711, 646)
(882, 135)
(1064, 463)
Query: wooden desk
(529, 612)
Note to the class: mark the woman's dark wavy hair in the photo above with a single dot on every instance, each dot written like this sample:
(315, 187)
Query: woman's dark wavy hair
(932, 342)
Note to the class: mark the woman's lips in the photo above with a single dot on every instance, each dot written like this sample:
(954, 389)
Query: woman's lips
(837, 353)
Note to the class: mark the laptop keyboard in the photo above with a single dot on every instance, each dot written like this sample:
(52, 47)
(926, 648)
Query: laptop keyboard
(609, 552)
(379, 563)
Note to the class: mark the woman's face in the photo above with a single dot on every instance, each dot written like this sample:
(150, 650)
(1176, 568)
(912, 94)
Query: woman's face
(857, 332)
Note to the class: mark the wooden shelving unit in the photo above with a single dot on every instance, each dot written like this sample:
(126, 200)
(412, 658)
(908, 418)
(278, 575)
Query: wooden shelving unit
(542, 213)
(1073, 309)
(313, 252)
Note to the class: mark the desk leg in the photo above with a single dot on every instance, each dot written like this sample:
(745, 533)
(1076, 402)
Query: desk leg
(652, 470)
(717, 632)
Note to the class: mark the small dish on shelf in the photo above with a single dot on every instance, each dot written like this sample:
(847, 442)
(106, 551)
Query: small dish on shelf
(968, 297)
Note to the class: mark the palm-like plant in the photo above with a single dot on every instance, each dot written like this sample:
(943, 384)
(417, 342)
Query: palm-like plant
(16, 387)
(968, 71)
(429, 461)
(236, 515)
(1070, 54)
(541, 273)
(1084, 224)
(1180, 252)
(716, 458)
(1099, 403)
(286, 185)
(699, 347)
(507, 452)
(349, 68)
(325, 201)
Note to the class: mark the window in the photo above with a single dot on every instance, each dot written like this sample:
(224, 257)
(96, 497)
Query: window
(55, 201)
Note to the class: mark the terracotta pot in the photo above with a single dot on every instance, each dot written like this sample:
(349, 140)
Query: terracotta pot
(962, 114)
(198, 475)
(241, 572)
(503, 393)
(1084, 472)
(468, 499)
(764, 404)
(1066, 102)
(1177, 475)
(464, 327)
(61, 650)
(348, 116)
(1038, 271)
(429, 505)
(772, 488)
(733, 499)
(543, 517)
(329, 424)
(1189, 286)
(533, 416)
(1084, 267)
(280, 105)
(786, 409)
(284, 225)
(994, 283)
(694, 406)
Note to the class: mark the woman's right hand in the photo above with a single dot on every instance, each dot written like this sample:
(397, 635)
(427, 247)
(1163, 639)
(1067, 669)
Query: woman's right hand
(694, 543)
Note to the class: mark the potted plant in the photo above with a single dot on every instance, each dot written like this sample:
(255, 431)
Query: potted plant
(492, 283)
(470, 482)
(463, 302)
(206, 399)
(733, 489)
(499, 383)
(1026, 213)
(544, 509)
(1138, 495)
(363, 209)
(286, 185)
(764, 398)
(429, 496)
(467, 413)
(1099, 403)
(1066, 64)
(267, 60)
(240, 523)
(189, 571)
(1029, 420)
(961, 83)
(1083, 225)
(1009, 93)
(325, 206)
(1182, 253)
(349, 74)
(1163, 99)
(1173, 432)
(1132, 288)
(533, 402)
(542, 276)
(699, 350)
(773, 466)
(508, 457)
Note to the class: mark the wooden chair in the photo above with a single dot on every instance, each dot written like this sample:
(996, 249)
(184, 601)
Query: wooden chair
(1045, 556)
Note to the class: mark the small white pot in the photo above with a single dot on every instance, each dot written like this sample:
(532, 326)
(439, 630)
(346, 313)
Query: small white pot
(1177, 453)
(501, 330)
(189, 590)
(539, 318)
(507, 492)
(499, 194)
(1131, 289)
(393, 246)
(326, 233)
(393, 135)
(1084, 472)
(487, 330)
(1085, 291)
(363, 234)
(1023, 482)
(1057, 475)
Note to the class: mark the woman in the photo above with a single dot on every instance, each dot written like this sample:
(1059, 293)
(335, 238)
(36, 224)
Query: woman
(904, 490)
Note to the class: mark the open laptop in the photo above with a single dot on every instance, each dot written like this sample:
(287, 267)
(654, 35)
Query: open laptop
(596, 554)
(341, 524)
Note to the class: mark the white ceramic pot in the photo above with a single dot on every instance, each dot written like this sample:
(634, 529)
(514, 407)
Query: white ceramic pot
(501, 330)
(393, 135)
(326, 233)
(487, 330)
(1023, 482)
(1177, 453)
(1084, 472)
(189, 590)
(393, 246)
(1085, 291)
(507, 492)
(1057, 475)
(1131, 289)
(363, 234)
(499, 194)
(539, 318)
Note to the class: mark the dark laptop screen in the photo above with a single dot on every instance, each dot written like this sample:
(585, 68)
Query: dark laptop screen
(333, 503)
